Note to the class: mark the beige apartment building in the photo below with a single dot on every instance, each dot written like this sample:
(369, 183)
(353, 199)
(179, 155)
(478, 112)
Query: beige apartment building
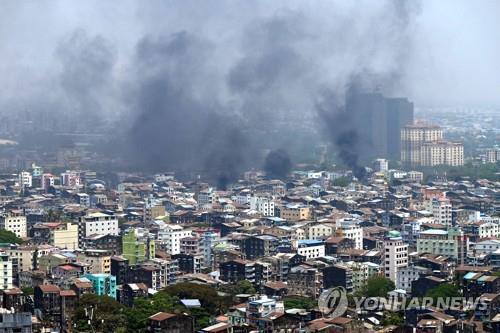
(423, 145)
(442, 153)
(99, 261)
(14, 221)
(295, 212)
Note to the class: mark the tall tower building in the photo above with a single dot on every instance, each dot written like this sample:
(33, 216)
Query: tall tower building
(378, 122)
(369, 119)
(395, 255)
(399, 114)
(413, 137)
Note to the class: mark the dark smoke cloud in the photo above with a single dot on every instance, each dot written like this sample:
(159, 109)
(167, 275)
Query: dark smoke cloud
(178, 125)
(187, 91)
(277, 164)
(86, 74)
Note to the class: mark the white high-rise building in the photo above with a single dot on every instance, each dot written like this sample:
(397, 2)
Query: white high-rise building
(395, 255)
(381, 165)
(263, 205)
(25, 179)
(350, 229)
(98, 224)
(441, 210)
(70, 178)
(14, 221)
(5, 271)
(169, 238)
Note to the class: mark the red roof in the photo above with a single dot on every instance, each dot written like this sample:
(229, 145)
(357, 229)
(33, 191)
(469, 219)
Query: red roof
(161, 316)
(49, 288)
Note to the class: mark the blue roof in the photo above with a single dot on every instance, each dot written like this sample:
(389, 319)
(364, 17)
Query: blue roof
(469, 275)
(191, 303)
(310, 242)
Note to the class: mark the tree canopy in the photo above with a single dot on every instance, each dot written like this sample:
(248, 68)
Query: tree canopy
(9, 237)
(299, 302)
(444, 290)
(377, 286)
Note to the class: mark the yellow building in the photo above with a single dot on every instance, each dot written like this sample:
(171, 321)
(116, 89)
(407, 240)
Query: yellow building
(295, 212)
(99, 261)
(23, 258)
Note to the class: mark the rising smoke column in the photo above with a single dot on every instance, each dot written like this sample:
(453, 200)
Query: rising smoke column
(277, 164)
(178, 125)
(209, 88)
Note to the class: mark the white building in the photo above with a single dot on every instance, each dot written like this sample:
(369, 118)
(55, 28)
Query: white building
(406, 275)
(350, 229)
(83, 199)
(486, 246)
(311, 248)
(25, 179)
(15, 222)
(70, 178)
(98, 224)
(381, 164)
(206, 198)
(169, 237)
(263, 205)
(441, 210)
(395, 255)
(5, 272)
(488, 230)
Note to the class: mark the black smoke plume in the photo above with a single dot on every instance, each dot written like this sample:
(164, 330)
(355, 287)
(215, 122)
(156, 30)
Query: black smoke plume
(277, 164)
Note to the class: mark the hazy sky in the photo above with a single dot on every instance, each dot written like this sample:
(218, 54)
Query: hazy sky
(448, 53)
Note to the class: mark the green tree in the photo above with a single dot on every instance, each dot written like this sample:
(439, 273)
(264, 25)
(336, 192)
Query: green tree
(342, 181)
(28, 291)
(9, 237)
(242, 287)
(392, 318)
(444, 290)
(376, 286)
(53, 215)
(299, 302)
(209, 298)
(144, 308)
(107, 314)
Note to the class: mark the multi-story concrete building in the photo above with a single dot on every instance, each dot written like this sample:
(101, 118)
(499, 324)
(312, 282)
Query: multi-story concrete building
(70, 179)
(98, 261)
(15, 322)
(317, 231)
(61, 235)
(407, 275)
(47, 181)
(441, 209)
(25, 179)
(295, 212)
(395, 255)
(442, 153)
(103, 284)
(412, 139)
(169, 238)
(136, 247)
(22, 258)
(311, 248)
(14, 221)
(350, 229)
(98, 223)
(451, 243)
(5, 271)
(262, 204)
